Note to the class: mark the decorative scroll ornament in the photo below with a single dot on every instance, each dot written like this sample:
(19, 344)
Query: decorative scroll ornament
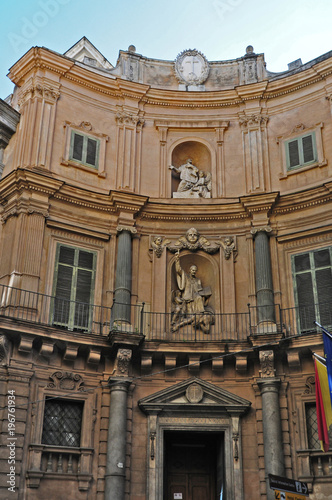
(193, 241)
(266, 359)
(191, 67)
(310, 385)
(67, 381)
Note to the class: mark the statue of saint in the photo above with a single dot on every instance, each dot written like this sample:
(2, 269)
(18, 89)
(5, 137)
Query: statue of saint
(188, 175)
(190, 304)
(194, 183)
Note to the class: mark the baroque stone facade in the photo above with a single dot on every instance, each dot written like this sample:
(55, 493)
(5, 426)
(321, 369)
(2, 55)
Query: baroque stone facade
(165, 247)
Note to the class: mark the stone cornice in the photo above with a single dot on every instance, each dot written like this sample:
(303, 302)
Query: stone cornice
(127, 201)
(304, 199)
(20, 180)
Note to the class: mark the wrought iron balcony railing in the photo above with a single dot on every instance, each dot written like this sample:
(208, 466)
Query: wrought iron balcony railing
(90, 318)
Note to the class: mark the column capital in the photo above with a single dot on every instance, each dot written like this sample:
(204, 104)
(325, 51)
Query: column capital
(266, 229)
(119, 384)
(130, 229)
(269, 385)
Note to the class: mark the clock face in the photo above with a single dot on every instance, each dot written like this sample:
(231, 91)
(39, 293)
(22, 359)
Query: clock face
(191, 67)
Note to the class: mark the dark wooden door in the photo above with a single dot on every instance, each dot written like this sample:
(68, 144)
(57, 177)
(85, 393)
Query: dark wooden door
(190, 467)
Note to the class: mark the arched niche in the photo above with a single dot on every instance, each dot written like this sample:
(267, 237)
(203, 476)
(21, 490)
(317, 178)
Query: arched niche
(198, 152)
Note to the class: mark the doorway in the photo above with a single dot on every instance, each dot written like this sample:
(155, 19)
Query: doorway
(194, 465)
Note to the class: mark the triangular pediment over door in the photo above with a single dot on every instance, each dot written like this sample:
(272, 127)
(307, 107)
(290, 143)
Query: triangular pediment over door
(194, 395)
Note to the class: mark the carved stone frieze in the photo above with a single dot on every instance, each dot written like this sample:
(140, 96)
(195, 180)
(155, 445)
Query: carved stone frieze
(67, 381)
(193, 241)
(266, 359)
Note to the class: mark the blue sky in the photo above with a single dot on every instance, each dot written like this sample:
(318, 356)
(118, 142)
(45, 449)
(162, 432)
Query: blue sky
(284, 30)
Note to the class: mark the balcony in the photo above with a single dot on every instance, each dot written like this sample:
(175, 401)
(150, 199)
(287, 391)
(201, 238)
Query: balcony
(46, 310)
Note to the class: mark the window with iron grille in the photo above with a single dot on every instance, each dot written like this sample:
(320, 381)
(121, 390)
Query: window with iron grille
(312, 275)
(301, 151)
(312, 429)
(73, 287)
(62, 423)
(84, 149)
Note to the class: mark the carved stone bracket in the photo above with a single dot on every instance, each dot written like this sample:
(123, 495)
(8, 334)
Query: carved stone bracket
(66, 381)
(266, 359)
(122, 362)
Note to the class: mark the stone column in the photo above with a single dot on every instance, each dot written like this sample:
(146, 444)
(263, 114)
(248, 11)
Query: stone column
(116, 441)
(264, 286)
(272, 432)
(123, 278)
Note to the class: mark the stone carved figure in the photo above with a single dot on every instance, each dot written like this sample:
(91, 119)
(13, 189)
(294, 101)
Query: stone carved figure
(229, 247)
(158, 244)
(188, 175)
(190, 301)
(193, 182)
(193, 241)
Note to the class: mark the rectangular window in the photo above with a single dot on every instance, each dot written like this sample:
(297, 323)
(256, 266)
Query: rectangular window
(74, 277)
(312, 275)
(312, 429)
(62, 423)
(301, 151)
(84, 149)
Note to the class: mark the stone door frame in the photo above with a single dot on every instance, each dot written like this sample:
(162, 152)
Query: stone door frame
(216, 410)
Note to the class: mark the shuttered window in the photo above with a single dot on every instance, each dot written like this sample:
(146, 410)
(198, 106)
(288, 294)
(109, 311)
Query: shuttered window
(62, 423)
(312, 273)
(84, 149)
(301, 151)
(73, 287)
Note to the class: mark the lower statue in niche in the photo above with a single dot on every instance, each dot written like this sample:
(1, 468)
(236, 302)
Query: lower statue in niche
(190, 301)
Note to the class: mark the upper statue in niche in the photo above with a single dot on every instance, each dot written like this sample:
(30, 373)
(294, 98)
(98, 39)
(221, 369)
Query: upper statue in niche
(194, 183)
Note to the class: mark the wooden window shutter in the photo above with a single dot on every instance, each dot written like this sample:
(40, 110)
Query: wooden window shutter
(308, 149)
(78, 147)
(293, 151)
